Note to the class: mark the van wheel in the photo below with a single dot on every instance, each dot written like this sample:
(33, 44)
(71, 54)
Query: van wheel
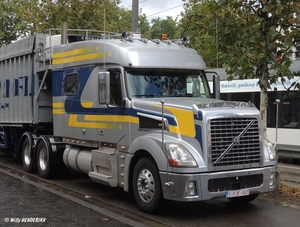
(27, 157)
(146, 184)
(43, 164)
(243, 199)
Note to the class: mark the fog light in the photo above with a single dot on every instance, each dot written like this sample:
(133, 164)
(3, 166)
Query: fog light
(191, 185)
(272, 180)
(191, 188)
(192, 192)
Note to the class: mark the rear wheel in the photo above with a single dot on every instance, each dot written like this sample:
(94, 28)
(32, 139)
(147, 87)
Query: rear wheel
(27, 156)
(43, 165)
(243, 199)
(146, 184)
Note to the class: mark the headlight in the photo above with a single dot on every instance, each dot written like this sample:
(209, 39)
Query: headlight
(271, 150)
(179, 156)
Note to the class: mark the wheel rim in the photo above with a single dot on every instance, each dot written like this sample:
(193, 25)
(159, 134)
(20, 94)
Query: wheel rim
(146, 185)
(43, 160)
(27, 152)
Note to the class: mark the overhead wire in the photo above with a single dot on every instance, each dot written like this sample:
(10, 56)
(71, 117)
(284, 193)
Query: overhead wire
(165, 10)
(159, 11)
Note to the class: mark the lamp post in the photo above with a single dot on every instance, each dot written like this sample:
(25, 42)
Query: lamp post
(277, 104)
(135, 15)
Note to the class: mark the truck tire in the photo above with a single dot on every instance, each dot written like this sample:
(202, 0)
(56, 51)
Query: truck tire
(146, 184)
(243, 199)
(43, 164)
(27, 156)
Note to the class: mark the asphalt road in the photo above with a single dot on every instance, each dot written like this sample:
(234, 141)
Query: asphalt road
(26, 203)
(271, 209)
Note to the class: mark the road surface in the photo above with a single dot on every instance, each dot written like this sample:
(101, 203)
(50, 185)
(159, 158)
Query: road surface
(271, 209)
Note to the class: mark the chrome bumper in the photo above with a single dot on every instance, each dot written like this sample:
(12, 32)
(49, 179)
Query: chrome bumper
(178, 186)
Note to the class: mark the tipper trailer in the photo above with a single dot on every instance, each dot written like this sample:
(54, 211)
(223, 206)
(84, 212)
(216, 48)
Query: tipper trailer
(131, 113)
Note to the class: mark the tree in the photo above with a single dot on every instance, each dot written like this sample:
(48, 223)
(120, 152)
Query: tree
(23, 19)
(10, 23)
(256, 39)
(165, 26)
(144, 26)
(18, 20)
(79, 14)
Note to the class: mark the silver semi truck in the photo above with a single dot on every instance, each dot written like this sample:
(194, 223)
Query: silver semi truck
(131, 113)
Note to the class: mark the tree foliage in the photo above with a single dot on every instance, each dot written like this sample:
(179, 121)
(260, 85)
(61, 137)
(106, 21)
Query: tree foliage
(41, 15)
(144, 25)
(162, 26)
(11, 24)
(251, 38)
(37, 16)
(19, 20)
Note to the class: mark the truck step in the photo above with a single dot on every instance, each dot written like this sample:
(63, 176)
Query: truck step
(103, 179)
(105, 166)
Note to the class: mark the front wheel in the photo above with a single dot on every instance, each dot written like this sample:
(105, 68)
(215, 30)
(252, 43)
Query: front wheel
(146, 184)
(243, 199)
(43, 165)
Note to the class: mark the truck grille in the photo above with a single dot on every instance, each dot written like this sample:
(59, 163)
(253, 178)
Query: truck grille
(239, 137)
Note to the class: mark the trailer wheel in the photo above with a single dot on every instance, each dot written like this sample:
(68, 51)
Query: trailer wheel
(27, 157)
(43, 164)
(146, 184)
(243, 199)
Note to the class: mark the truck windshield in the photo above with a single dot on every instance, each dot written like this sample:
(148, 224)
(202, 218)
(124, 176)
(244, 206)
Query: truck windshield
(153, 83)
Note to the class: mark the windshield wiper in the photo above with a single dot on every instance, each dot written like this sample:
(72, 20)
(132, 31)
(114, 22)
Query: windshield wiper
(151, 96)
(186, 95)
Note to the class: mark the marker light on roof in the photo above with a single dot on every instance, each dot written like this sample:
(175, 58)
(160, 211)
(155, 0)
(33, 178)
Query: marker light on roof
(164, 36)
(186, 40)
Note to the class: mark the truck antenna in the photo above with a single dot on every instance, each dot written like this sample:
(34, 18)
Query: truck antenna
(162, 124)
(199, 17)
(104, 38)
(168, 183)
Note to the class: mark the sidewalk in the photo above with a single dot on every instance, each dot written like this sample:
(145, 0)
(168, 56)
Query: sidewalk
(26, 203)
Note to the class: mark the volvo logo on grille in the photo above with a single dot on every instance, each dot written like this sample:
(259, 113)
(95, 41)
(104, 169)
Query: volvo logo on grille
(236, 140)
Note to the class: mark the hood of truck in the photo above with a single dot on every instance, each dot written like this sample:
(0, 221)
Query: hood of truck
(189, 103)
(182, 115)
(207, 128)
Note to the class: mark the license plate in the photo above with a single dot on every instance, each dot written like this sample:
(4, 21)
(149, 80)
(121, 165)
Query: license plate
(237, 193)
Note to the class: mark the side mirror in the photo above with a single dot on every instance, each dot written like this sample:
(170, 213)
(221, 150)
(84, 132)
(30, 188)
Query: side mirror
(216, 86)
(104, 87)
